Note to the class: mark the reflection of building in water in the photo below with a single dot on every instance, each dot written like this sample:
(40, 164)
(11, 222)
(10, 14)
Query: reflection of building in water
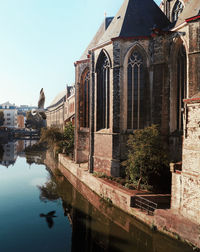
(14, 149)
(97, 225)
(32, 153)
(10, 154)
(36, 158)
(22, 145)
(29, 143)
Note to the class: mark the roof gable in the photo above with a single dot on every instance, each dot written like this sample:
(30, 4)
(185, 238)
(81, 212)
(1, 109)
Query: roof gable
(136, 18)
(97, 36)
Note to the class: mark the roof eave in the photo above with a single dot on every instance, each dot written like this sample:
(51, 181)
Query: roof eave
(82, 61)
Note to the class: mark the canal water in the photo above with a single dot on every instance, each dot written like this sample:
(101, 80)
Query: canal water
(41, 211)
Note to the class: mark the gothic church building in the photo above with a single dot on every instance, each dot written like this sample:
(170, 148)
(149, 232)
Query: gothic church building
(138, 70)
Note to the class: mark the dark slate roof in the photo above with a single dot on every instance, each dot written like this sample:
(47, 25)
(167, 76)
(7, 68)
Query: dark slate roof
(192, 9)
(136, 18)
(97, 36)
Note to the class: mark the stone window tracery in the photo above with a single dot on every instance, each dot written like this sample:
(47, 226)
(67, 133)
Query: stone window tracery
(135, 91)
(181, 86)
(85, 99)
(178, 8)
(103, 92)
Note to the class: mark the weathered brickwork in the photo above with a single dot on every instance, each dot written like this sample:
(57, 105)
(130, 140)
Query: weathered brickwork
(82, 147)
(192, 140)
(81, 135)
(191, 197)
(186, 184)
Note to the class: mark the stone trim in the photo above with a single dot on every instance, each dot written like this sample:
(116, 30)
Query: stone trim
(81, 61)
(192, 100)
(192, 19)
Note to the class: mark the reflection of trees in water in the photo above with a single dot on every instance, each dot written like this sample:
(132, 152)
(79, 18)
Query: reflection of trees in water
(48, 191)
(35, 154)
(1, 152)
(36, 147)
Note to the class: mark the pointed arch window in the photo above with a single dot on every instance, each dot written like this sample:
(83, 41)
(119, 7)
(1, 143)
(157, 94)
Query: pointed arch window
(178, 8)
(85, 99)
(103, 92)
(181, 86)
(135, 91)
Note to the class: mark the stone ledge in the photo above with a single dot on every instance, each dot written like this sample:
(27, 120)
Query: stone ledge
(120, 198)
(165, 221)
(171, 222)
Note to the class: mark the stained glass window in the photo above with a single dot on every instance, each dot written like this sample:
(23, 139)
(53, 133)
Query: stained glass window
(178, 8)
(135, 91)
(85, 99)
(181, 86)
(103, 92)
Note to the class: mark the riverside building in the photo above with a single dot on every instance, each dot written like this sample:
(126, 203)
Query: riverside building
(142, 68)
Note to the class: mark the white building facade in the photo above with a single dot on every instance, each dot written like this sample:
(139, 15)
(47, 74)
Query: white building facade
(10, 114)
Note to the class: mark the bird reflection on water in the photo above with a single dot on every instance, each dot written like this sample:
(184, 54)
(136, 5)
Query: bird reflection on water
(49, 218)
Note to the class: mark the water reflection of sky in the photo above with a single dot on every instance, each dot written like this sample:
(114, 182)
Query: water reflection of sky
(33, 217)
(22, 228)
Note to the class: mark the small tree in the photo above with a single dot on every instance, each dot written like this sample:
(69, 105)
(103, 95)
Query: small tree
(52, 135)
(147, 159)
(1, 118)
(62, 142)
(68, 139)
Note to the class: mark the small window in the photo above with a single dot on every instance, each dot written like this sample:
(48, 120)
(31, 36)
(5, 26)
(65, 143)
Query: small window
(178, 8)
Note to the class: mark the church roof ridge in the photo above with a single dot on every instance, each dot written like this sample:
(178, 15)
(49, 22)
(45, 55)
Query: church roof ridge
(105, 24)
(135, 18)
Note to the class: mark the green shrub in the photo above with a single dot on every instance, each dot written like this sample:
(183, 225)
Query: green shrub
(62, 142)
(68, 139)
(51, 135)
(147, 161)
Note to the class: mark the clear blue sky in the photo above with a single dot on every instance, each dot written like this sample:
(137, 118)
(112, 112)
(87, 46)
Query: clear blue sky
(39, 42)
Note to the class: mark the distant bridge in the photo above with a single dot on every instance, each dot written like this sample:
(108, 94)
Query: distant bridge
(19, 133)
(23, 133)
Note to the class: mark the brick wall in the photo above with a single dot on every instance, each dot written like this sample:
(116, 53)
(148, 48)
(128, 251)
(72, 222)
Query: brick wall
(186, 185)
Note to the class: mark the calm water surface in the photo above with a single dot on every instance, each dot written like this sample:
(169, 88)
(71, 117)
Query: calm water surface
(41, 211)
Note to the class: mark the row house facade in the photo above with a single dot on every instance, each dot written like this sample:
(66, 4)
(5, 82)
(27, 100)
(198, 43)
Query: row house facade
(62, 109)
(10, 114)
